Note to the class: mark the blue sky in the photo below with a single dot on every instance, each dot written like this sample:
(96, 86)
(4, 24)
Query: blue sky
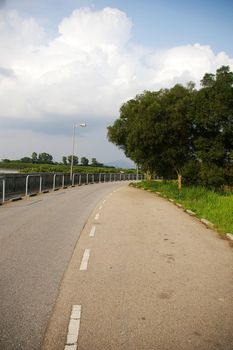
(161, 23)
(49, 65)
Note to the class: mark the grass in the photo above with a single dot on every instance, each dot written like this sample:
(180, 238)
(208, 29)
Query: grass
(213, 206)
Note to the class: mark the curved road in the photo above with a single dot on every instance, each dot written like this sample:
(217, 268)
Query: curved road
(156, 279)
(145, 274)
(37, 239)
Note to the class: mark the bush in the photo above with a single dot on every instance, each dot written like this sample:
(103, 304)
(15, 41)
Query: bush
(191, 173)
(211, 176)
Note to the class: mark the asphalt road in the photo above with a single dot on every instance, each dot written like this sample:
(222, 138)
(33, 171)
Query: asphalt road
(156, 279)
(37, 238)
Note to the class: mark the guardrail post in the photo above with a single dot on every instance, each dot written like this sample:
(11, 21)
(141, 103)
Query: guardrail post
(26, 190)
(54, 181)
(40, 189)
(3, 190)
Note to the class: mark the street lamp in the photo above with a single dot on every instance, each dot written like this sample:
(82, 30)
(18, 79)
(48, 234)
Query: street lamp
(81, 125)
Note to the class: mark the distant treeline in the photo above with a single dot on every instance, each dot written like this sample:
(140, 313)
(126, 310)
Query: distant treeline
(46, 158)
(181, 132)
(30, 167)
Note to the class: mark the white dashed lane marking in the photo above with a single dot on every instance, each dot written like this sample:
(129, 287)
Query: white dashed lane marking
(73, 329)
(85, 259)
(92, 233)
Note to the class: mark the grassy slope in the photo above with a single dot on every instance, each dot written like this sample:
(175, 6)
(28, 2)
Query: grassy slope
(215, 207)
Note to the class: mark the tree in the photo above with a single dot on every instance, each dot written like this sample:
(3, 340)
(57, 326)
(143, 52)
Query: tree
(45, 158)
(26, 160)
(84, 161)
(94, 162)
(75, 159)
(64, 160)
(34, 157)
(214, 127)
(181, 131)
(154, 131)
(133, 131)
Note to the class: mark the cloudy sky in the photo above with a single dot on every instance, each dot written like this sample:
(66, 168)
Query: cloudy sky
(73, 61)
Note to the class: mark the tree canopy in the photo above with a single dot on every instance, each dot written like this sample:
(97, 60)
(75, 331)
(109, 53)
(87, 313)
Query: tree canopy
(181, 131)
(84, 161)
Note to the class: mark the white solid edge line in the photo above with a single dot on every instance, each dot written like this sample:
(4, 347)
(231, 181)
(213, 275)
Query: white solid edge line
(97, 216)
(85, 259)
(92, 233)
(73, 328)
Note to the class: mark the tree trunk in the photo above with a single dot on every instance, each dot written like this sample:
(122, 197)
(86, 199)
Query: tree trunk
(179, 181)
(148, 175)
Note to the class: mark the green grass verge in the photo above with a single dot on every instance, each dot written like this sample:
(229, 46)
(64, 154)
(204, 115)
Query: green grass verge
(213, 206)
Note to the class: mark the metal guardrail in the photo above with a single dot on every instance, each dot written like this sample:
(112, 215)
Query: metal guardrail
(14, 186)
(3, 188)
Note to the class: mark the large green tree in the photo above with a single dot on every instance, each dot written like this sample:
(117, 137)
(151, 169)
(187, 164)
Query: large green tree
(75, 159)
(45, 158)
(34, 157)
(181, 131)
(214, 127)
(154, 130)
(64, 160)
(84, 161)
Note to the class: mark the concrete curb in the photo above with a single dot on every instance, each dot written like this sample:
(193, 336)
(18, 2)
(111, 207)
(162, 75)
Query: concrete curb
(229, 236)
(207, 223)
(179, 205)
(190, 212)
(33, 194)
(16, 199)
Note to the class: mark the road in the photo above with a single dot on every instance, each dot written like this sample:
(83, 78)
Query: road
(37, 238)
(153, 278)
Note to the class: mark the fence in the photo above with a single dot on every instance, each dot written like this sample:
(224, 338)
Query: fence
(14, 186)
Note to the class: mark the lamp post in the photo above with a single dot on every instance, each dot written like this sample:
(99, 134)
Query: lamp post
(81, 125)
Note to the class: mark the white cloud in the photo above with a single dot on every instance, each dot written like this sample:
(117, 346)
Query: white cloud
(188, 62)
(90, 68)
(87, 30)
